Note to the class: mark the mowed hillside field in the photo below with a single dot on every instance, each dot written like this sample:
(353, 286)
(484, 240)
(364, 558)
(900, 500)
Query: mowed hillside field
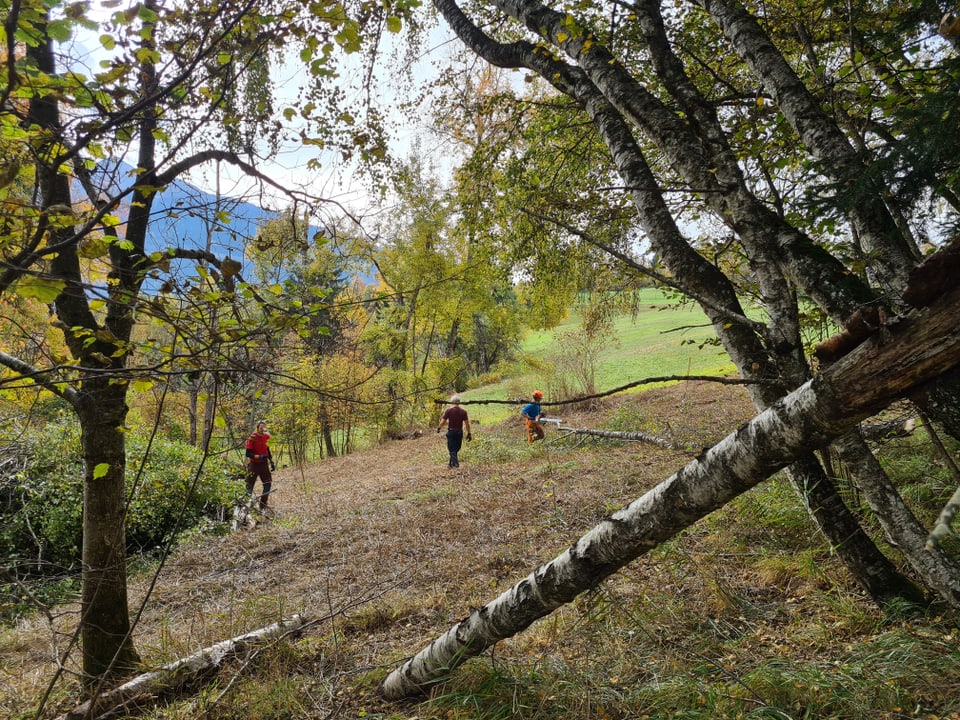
(746, 614)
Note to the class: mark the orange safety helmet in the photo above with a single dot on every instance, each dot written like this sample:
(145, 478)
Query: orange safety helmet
(537, 395)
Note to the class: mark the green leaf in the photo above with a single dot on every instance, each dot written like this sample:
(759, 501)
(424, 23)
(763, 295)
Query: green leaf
(108, 42)
(147, 56)
(142, 385)
(394, 24)
(349, 38)
(45, 290)
(59, 30)
(101, 470)
(146, 14)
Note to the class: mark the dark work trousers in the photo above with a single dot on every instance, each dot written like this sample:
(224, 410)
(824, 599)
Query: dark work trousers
(259, 469)
(454, 443)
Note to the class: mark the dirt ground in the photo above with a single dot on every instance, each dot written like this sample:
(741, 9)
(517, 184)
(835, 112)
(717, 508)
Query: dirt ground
(390, 547)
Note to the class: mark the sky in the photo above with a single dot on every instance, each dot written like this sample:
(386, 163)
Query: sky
(335, 181)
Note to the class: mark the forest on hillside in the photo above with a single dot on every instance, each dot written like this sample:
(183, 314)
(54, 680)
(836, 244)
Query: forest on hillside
(789, 169)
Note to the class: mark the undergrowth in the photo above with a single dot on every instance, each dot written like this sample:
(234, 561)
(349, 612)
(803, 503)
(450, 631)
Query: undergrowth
(746, 614)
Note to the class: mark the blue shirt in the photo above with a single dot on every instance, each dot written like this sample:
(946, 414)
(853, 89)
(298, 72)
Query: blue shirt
(531, 410)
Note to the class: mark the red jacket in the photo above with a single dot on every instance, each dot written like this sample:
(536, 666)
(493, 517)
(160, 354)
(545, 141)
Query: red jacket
(257, 450)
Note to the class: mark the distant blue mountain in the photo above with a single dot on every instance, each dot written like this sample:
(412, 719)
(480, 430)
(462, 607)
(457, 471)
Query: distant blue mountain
(184, 216)
(187, 217)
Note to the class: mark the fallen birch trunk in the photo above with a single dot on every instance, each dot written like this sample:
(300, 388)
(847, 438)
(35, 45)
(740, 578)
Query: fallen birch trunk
(942, 528)
(170, 677)
(635, 436)
(883, 368)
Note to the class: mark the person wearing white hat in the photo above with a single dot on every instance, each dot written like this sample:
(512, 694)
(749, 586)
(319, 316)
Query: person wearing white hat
(456, 419)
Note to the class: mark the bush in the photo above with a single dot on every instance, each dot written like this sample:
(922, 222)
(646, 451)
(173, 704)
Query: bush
(43, 503)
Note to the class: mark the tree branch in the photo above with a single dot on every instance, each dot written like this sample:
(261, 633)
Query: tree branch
(39, 377)
(628, 386)
(650, 273)
(634, 436)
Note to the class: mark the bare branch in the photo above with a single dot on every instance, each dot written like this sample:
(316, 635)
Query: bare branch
(628, 386)
(39, 377)
(633, 436)
(650, 273)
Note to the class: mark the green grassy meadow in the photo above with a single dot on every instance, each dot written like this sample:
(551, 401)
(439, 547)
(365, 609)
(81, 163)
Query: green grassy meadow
(663, 339)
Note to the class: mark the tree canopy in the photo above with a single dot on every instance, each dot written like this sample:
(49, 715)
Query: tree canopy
(787, 167)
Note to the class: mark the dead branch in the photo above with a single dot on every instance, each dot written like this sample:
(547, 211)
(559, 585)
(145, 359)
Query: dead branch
(632, 436)
(888, 429)
(178, 673)
(614, 391)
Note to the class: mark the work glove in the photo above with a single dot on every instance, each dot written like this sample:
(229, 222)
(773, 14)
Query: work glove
(273, 465)
(438, 429)
(469, 437)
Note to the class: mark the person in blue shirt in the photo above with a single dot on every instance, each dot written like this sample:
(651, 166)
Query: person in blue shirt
(532, 414)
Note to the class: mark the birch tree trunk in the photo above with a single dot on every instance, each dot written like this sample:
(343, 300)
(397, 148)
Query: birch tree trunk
(894, 255)
(940, 571)
(170, 678)
(763, 353)
(884, 368)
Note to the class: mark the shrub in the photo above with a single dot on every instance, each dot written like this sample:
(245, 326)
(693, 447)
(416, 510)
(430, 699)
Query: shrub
(42, 532)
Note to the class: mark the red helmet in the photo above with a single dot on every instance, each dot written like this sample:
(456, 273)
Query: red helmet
(537, 395)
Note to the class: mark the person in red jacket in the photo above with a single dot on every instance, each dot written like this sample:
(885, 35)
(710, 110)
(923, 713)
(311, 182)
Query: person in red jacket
(259, 462)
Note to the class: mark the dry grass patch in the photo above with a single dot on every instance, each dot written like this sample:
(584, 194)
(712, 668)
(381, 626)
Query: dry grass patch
(385, 550)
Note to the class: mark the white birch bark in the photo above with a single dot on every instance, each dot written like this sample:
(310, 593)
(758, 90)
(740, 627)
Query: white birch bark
(877, 372)
(871, 569)
(634, 436)
(942, 528)
(900, 525)
(720, 181)
(172, 676)
(892, 254)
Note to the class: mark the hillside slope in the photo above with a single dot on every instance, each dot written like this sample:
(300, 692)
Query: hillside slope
(383, 550)
(395, 528)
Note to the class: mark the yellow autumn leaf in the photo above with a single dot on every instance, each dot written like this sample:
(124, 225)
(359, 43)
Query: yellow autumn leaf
(45, 290)
(142, 385)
